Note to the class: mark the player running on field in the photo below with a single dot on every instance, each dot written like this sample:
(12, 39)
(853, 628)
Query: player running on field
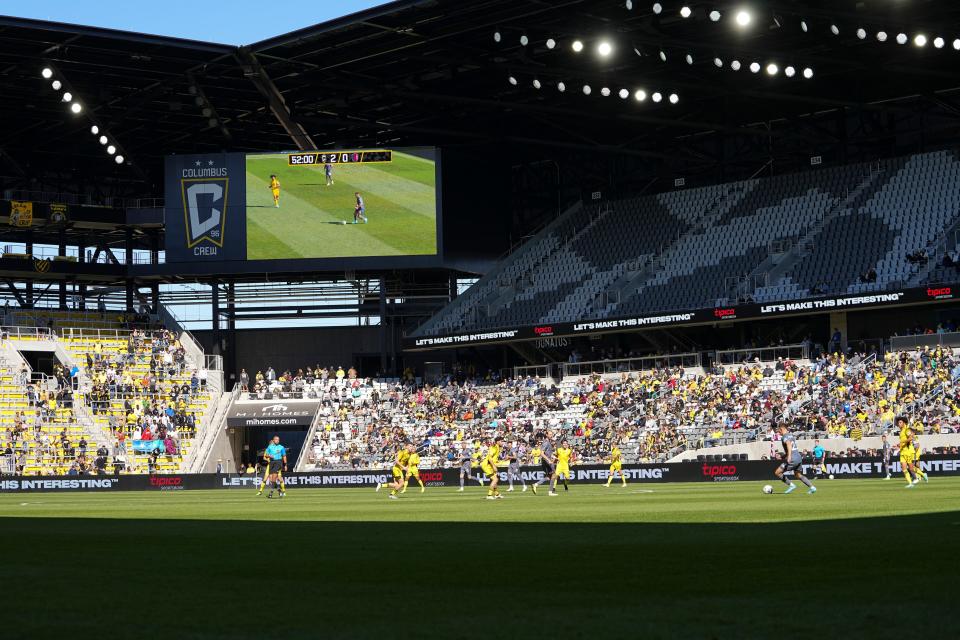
(547, 460)
(466, 471)
(275, 456)
(513, 468)
(489, 466)
(328, 173)
(564, 457)
(887, 450)
(907, 453)
(917, 467)
(791, 462)
(359, 209)
(616, 465)
(413, 470)
(399, 468)
(275, 190)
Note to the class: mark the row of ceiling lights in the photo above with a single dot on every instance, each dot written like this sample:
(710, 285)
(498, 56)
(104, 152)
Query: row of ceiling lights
(76, 108)
(640, 95)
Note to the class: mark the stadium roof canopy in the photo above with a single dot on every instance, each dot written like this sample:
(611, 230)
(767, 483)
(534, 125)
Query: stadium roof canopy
(431, 72)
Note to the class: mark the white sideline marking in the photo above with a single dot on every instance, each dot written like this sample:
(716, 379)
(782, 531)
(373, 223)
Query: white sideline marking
(643, 491)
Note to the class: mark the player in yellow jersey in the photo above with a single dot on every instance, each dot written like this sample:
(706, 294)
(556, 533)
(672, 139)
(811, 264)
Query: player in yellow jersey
(564, 456)
(917, 467)
(489, 467)
(616, 465)
(535, 454)
(275, 190)
(907, 452)
(413, 470)
(400, 466)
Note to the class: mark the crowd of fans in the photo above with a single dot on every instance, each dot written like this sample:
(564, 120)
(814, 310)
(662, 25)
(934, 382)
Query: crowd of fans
(148, 374)
(653, 415)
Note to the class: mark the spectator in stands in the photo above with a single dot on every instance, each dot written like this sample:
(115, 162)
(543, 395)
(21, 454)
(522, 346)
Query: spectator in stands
(244, 380)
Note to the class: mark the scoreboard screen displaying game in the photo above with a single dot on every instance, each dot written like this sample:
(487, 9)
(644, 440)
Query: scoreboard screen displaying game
(304, 210)
(341, 203)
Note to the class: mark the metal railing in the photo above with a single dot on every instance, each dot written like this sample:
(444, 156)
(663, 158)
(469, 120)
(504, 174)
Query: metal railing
(905, 343)
(534, 370)
(764, 354)
(622, 365)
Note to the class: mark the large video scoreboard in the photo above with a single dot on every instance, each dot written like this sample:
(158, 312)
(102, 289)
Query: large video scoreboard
(326, 208)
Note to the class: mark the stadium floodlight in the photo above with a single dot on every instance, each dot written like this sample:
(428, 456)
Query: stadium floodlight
(718, 63)
(735, 65)
(663, 55)
(862, 33)
(674, 98)
(920, 40)
(47, 73)
(772, 69)
(657, 8)
(629, 5)
(111, 149)
(496, 38)
(605, 92)
(94, 129)
(685, 12)
(56, 84)
(744, 18)
(714, 16)
(755, 67)
(561, 87)
(803, 26)
(536, 83)
(524, 40)
(689, 58)
(103, 139)
(76, 108)
(902, 38)
(624, 94)
(67, 96)
(938, 42)
(604, 49)
(577, 46)
(882, 36)
(551, 43)
(118, 159)
(834, 29)
(956, 44)
(789, 72)
(587, 90)
(512, 80)
(657, 96)
(808, 73)
(640, 95)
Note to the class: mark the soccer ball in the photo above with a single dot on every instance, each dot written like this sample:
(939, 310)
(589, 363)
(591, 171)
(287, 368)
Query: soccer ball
(831, 476)
(767, 488)
(343, 222)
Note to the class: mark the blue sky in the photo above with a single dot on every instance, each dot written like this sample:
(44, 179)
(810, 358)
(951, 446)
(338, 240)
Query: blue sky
(232, 22)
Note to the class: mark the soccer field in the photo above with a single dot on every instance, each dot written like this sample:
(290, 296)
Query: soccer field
(860, 558)
(400, 200)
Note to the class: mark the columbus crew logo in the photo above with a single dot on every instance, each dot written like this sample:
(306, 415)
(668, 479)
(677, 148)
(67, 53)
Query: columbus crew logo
(204, 209)
(41, 266)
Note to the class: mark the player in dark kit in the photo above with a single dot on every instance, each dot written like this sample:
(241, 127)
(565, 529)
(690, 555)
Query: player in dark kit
(548, 460)
(791, 462)
(328, 172)
(359, 210)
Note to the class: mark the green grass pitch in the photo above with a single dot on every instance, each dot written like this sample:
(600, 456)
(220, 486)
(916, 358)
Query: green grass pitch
(862, 558)
(400, 199)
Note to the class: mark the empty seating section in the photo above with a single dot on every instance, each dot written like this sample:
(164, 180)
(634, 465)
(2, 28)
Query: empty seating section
(695, 248)
(846, 247)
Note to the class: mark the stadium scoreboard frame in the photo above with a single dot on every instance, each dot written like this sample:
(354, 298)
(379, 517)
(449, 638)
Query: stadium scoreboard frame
(353, 156)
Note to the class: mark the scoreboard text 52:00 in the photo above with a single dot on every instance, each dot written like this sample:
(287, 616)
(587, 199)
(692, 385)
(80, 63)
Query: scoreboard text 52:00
(339, 157)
